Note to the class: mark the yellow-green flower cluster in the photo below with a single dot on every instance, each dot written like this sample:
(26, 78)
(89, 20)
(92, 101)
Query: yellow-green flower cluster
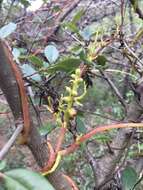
(66, 104)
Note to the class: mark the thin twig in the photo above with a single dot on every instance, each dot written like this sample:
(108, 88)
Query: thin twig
(114, 88)
(74, 37)
(95, 71)
(11, 141)
(99, 115)
(133, 54)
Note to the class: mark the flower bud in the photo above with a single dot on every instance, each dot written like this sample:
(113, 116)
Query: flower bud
(80, 80)
(68, 89)
(72, 112)
(73, 75)
(78, 72)
(74, 93)
(66, 99)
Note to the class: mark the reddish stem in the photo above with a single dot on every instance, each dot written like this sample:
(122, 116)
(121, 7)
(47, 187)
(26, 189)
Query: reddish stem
(52, 158)
(100, 129)
(60, 139)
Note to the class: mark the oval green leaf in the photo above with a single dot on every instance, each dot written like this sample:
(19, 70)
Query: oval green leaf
(66, 65)
(129, 178)
(35, 60)
(12, 184)
(29, 180)
(51, 53)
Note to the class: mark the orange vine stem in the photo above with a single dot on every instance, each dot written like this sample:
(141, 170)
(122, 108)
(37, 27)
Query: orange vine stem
(53, 153)
(60, 139)
(52, 158)
(100, 129)
(24, 99)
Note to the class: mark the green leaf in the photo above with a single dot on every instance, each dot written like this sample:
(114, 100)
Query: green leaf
(2, 164)
(101, 60)
(80, 125)
(35, 60)
(28, 180)
(129, 178)
(83, 56)
(76, 49)
(78, 16)
(29, 71)
(46, 129)
(7, 30)
(87, 32)
(12, 184)
(26, 3)
(66, 65)
(72, 27)
(56, 8)
(51, 53)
